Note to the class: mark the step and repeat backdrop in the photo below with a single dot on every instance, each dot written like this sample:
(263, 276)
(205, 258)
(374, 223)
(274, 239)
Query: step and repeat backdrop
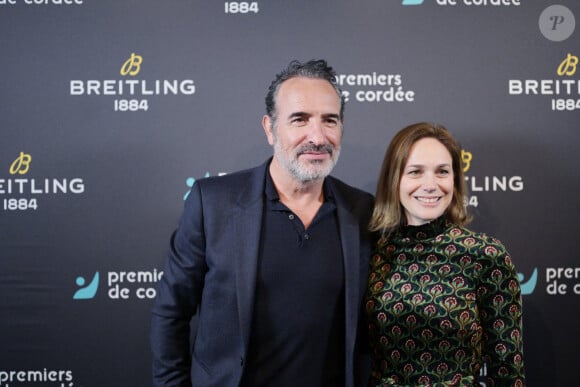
(111, 109)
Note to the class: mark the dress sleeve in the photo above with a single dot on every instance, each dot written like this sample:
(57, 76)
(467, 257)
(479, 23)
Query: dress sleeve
(500, 305)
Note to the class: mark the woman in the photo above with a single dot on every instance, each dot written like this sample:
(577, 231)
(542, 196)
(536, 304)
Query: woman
(442, 300)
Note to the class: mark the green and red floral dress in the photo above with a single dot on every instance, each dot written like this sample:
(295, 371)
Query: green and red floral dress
(443, 301)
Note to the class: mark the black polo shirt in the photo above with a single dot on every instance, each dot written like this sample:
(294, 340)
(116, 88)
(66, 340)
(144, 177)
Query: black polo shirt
(298, 336)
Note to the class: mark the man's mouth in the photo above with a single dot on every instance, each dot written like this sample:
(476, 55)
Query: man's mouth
(316, 150)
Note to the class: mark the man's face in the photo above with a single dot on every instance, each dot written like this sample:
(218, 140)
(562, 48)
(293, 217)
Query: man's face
(307, 133)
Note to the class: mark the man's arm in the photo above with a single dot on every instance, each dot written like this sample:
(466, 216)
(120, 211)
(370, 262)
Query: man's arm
(178, 297)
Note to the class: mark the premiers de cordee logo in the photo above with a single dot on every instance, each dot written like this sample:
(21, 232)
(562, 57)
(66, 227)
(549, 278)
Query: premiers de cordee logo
(496, 3)
(131, 93)
(558, 281)
(38, 377)
(21, 192)
(118, 285)
(124, 285)
(40, 2)
(375, 87)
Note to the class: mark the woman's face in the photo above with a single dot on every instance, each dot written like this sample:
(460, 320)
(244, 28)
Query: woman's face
(426, 186)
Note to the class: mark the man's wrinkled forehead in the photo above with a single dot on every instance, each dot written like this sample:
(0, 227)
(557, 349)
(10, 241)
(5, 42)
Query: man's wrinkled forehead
(295, 91)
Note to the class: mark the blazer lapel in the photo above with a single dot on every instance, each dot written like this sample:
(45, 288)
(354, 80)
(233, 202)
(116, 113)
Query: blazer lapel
(349, 236)
(349, 230)
(247, 224)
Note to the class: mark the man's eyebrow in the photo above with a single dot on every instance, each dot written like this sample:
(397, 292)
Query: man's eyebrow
(298, 114)
(305, 114)
(331, 115)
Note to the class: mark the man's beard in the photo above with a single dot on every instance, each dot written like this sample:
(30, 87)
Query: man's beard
(305, 171)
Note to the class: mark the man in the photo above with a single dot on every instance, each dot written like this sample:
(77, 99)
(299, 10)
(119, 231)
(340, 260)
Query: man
(272, 261)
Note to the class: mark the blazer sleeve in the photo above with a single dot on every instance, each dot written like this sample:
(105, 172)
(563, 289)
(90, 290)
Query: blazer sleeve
(178, 296)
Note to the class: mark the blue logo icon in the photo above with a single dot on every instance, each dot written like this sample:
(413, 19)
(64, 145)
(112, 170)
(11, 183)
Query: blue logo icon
(190, 181)
(86, 292)
(412, 2)
(529, 286)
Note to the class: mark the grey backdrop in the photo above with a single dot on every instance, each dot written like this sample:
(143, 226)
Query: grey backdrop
(123, 173)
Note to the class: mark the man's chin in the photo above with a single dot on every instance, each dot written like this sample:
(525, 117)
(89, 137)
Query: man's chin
(314, 174)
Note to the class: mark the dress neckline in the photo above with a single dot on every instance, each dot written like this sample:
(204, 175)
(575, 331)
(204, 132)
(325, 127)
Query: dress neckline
(424, 231)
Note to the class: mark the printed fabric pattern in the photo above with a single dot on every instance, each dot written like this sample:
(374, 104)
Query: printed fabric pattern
(442, 301)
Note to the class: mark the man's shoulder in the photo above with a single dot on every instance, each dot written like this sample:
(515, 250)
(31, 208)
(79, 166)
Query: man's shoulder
(351, 198)
(348, 190)
(234, 179)
(244, 186)
(227, 178)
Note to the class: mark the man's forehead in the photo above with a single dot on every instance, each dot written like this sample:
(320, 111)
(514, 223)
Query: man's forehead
(301, 90)
(297, 82)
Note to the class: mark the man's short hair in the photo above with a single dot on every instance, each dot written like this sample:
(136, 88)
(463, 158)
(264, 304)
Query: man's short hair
(315, 69)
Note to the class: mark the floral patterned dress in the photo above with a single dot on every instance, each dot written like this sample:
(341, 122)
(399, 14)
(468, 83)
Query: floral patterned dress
(442, 301)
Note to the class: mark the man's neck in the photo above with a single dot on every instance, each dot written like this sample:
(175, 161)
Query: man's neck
(290, 188)
(303, 198)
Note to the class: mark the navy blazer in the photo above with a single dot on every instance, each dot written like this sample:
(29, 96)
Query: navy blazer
(211, 271)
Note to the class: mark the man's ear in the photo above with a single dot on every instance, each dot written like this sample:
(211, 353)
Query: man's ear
(267, 125)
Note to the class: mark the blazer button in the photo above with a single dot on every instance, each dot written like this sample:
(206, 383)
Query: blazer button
(241, 361)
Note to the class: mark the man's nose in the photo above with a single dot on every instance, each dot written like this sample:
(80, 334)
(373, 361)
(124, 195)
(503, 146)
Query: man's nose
(316, 132)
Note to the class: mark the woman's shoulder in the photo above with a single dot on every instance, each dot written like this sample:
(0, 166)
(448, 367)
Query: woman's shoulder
(485, 247)
(478, 238)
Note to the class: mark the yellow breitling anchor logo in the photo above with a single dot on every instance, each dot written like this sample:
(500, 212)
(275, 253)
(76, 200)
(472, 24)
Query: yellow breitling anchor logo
(568, 65)
(21, 165)
(132, 66)
(466, 160)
